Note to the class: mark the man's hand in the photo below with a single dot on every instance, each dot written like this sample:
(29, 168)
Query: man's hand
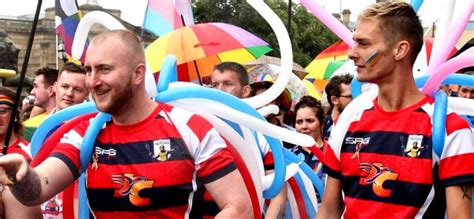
(13, 168)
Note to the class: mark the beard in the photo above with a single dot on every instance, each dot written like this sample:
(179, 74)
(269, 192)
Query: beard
(118, 97)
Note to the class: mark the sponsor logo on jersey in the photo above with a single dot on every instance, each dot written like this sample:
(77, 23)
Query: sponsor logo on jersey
(109, 152)
(376, 174)
(162, 149)
(131, 185)
(414, 147)
(359, 144)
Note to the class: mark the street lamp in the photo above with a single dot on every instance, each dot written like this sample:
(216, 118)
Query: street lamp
(62, 52)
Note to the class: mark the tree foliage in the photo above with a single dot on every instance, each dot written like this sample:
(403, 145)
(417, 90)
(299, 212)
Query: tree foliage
(309, 37)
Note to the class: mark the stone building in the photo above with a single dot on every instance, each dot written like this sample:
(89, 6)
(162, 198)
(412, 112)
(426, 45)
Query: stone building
(44, 52)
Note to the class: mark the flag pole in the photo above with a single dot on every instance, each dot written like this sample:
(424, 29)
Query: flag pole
(13, 113)
(142, 33)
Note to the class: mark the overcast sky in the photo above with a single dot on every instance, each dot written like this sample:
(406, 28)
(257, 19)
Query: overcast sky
(133, 10)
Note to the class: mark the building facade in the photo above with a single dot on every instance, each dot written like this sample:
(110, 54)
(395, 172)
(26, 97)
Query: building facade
(44, 52)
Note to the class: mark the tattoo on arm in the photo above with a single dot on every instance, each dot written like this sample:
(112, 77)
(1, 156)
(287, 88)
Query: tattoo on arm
(29, 189)
(466, 192)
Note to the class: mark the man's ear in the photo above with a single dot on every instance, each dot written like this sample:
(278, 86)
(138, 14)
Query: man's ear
(401, 50)
(246, 91)
(139, 73)
(52, 89)
(334, 100)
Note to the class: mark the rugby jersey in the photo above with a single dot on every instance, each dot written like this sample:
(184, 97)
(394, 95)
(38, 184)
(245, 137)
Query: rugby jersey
(387, 165)
(151, 169)
(20, 146)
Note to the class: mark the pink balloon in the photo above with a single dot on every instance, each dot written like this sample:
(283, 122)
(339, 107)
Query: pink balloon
(461, 61)
(330, 21)
(452, 36)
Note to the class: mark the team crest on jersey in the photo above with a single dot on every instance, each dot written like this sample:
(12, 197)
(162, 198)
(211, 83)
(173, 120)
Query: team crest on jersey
(414, 147)
(162, 149)
(376, 174)
(131, 185)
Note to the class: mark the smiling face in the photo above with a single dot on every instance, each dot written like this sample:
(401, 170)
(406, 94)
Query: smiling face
(70, 89)
(369, 41)
(109, 76)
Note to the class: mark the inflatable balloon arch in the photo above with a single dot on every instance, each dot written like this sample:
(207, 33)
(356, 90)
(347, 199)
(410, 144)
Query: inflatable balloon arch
(237, 120)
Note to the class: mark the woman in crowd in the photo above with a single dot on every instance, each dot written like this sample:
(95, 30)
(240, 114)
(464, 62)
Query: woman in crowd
(309, 120)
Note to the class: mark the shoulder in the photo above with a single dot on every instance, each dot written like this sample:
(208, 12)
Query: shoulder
(36, 120)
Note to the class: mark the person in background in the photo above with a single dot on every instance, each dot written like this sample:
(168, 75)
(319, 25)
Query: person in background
(384, 164)
(466, 92)
(9, 206)
(70, 89)
(338, 94)
(45, 98)
(446, 88)
(166, 153)
(283, 101)
(232, 78)
(309, 121)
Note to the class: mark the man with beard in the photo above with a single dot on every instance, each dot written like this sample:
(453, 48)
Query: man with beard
(9, 206)
(338, 94)
(150, 160)
(384, 165)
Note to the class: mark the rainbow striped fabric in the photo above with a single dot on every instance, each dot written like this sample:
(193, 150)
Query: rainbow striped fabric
(67, 20)
(163, 16)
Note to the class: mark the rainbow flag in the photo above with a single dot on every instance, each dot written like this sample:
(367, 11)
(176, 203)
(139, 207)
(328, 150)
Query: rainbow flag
(163, 16)
(67, 20)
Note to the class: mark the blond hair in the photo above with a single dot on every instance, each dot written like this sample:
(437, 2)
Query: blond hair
(397, 21)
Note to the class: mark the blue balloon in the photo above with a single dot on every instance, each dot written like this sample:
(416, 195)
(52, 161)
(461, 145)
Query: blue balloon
(56, 119)
(83, 209)
(318, 184)
(307, 201)
(168, 73)
(92, 131)
(356, 87)
(416, 4)
(439, 121)
(235, 103)
(87, 148)
(460, 79)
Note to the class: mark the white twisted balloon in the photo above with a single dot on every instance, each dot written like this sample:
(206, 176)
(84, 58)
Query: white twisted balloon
(111, 23)
(286, 53)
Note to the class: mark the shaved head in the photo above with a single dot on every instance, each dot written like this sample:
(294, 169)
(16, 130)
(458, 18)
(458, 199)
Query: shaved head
(130, 43)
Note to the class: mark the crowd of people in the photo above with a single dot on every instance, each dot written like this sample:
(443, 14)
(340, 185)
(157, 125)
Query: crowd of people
(156, 160)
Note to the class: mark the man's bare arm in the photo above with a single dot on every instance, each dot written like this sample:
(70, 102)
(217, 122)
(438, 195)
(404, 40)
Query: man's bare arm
(231, 196)
(458, 201)
(34, 186)
(332, 205)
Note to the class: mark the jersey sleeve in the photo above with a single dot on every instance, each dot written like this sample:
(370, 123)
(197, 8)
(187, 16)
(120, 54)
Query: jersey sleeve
(211, 156)
(68, 149)
(456, 166)
(331, 164)
(21, 148)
